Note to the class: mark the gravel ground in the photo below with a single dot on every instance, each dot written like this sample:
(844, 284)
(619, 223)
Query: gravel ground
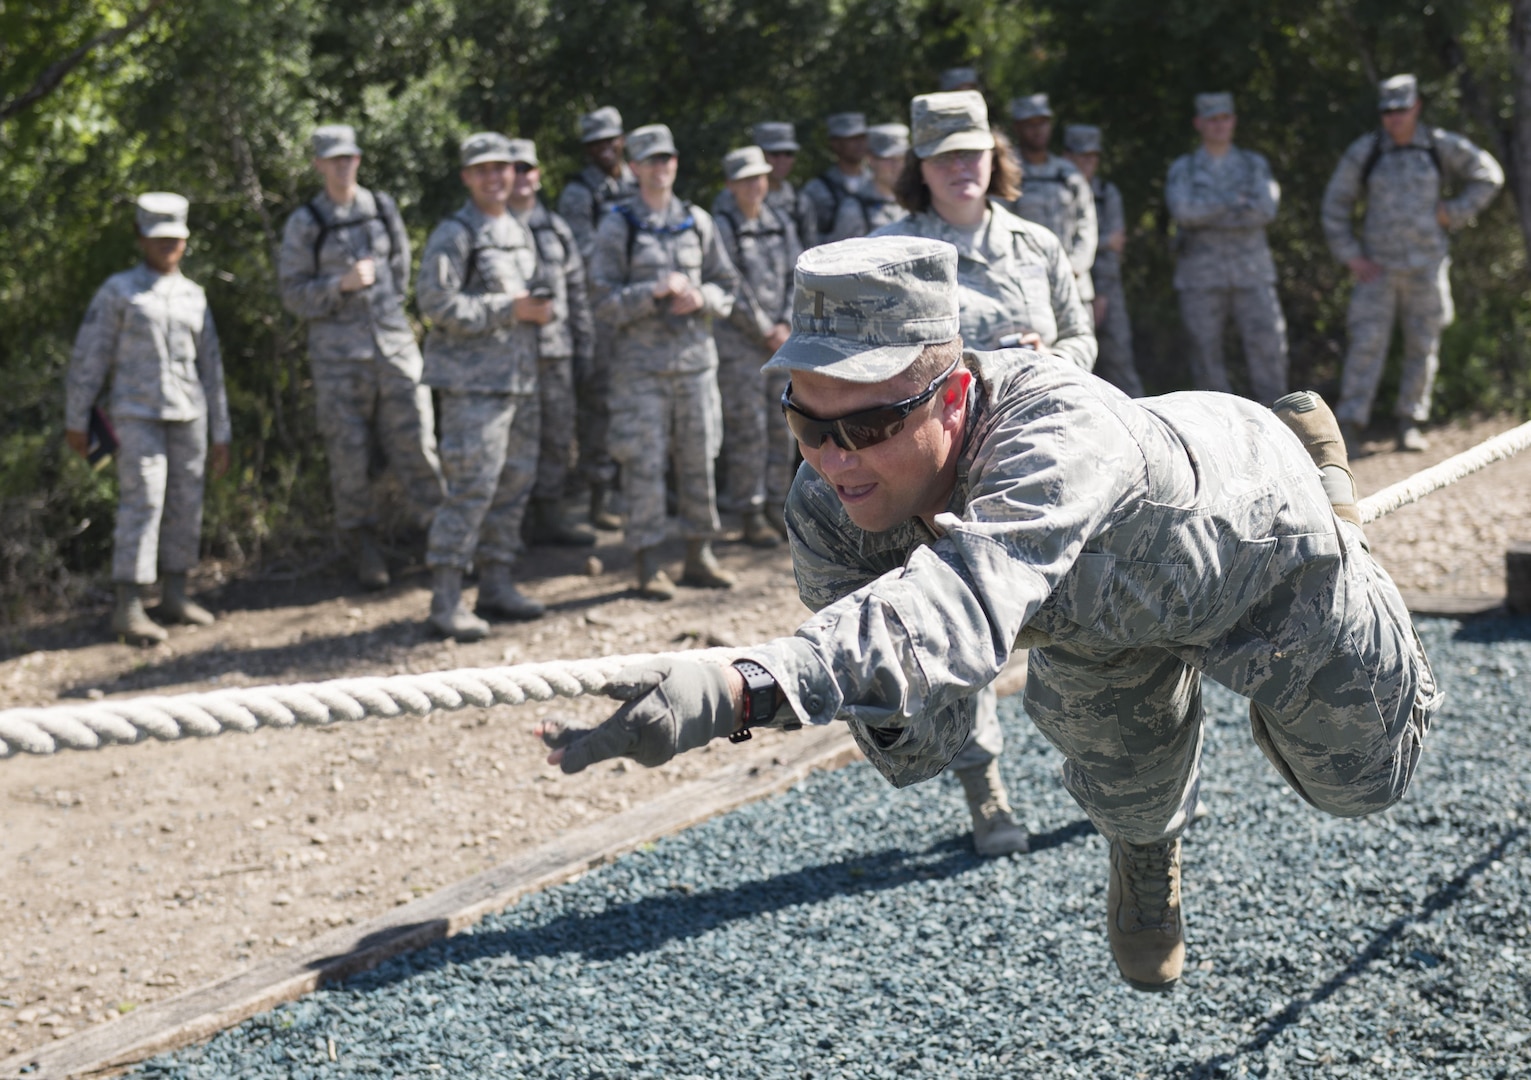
(843, 929)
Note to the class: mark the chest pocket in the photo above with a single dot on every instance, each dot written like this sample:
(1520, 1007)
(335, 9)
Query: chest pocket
(164, 325)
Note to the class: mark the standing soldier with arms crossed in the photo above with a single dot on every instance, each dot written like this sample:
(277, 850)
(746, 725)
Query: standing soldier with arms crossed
(150, 330)
(1400, 263)
(763, 246)
(660, 278)
(1053, 193)
(481, 355)
(604, 182)
(563, 344)
(344, 267)
(1222, 197)
(821, 197)
(1113, 330)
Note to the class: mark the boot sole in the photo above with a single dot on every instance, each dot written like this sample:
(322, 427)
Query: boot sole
(1151, 988)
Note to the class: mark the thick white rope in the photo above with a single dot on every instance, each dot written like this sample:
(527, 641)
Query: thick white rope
(1449, 471)
(87, 726)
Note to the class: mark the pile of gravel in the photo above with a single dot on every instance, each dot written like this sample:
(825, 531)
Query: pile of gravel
(844, 929)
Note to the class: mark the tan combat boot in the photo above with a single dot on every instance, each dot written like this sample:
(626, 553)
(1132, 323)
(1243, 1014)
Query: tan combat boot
(1312, 422)
(498, 595)
(653, 582)
(758, 532)
(995, 831)
(602, 516)
(1143, 920)
(702, 570)
(1410, 438)
(546, 523)
(449, 615)
(131, 622)
(176, 606)
(371, 567)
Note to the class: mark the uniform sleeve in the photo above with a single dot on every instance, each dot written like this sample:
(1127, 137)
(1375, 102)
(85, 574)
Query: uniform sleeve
(1257, 202)
(1179, 195)
(95, 350)
(399, 261)
(808, 220)
(720, 281)
(439, 286)
(794, 249)
(210, 372)
(581, 322)
(1086, 230)
(1114, 217)
(576, 205)
(306, 293)
(617, 302)
(900, 658)
(1340, 195)
(1076, 326)
(1475, 170)
(747, 316)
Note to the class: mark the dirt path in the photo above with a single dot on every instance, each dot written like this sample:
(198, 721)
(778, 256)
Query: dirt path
(135, 872)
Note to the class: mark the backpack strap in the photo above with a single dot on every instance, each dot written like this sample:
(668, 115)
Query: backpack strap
(1374, 155)
(473, 249)
(326, 227)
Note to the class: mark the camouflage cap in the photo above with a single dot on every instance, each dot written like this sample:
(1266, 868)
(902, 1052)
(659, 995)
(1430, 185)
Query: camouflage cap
(1399, 92)
(523, 150)
(1024, 108)
(888, 140)
(958, 78)
(846, 125)
(744, 163)
(865, 309)
(1081, 139)
(333, 140)
(1218, 104)
(644, 142)
(485, 146)
(776, 137)
(604, 123)
(955, 121)
(161, 213)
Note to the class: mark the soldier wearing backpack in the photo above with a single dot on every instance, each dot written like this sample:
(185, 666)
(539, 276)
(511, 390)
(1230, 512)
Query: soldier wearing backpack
(1400, 261)
(344, 267)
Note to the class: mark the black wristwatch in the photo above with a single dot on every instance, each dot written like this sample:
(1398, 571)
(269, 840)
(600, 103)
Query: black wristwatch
(759, 698)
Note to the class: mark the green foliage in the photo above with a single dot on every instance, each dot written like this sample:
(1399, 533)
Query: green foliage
(215, 98)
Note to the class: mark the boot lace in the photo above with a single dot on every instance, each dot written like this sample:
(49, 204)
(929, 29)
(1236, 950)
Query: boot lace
(1150, 876)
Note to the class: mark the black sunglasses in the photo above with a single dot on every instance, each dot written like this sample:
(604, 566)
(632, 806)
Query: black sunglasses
(862, 428)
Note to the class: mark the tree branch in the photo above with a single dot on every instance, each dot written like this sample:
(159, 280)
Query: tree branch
(49, 80)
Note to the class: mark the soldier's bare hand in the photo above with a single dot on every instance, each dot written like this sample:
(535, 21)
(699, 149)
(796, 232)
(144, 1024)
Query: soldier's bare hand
(686, 301)
(218, 460)
(360, 276)
(78, 441)
(532, 310)
(778, 336)
(1442, 216)
(1364, 269)
(1116, 242)
(1099, 305)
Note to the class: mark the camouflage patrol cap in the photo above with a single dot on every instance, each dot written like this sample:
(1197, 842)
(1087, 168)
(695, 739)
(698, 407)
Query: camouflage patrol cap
(644, 142)
(485, 146)
(1399, 92)
(1024, 108)
(888, 140)
(604, 123)
(865, 309)
(776, 137)
(958, 78)
(522, 150)
(1081, 139)
(955, 121)
(744, 163)
(333, 140)
(1218, 104)
(161, 213)
(846, 125)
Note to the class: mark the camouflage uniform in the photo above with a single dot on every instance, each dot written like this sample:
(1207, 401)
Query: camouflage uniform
(484, 363)
(821, 198)
(564, 345)
(758, 449)
(664, 367)
(153, 335)
(1056, 196)
(582, 204)
(362, 349)
(1114, 334)
(1400, 232)
(864, 213)
(1133, 546)
(1221, 207)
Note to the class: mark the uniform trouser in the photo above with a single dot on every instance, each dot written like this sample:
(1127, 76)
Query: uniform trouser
(1262, 327)
(1345, 737)
(489, 459)
(159, 497)
(659, 419)
(555, 397)
(757, 444)
(1114, 336)
(1422, 298)
(987, 740)
(364, 404)
(592, 388)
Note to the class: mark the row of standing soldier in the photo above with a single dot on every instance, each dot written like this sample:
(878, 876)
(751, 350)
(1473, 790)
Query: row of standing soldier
(628, 295)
